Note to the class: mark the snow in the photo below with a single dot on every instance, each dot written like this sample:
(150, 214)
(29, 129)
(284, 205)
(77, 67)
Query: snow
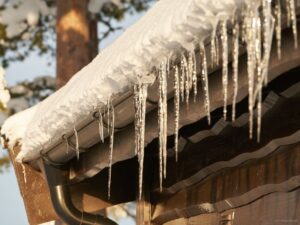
(14, 128)
(169, 27)
(20, 13)
(4, 93)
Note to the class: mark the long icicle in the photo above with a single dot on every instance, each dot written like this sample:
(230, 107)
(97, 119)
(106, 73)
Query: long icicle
(162, 120)
(278, 27)
(235, 65)
(267, 15)
(140, 91)
(294, 21)
(182, 78)
(111, 124)
(137, 106)
(259, 72)
(194, 79)
(217, 51)
(224, 38)
(187, 83)
(250, 22)
(288, 12)
(204, 79)
(213, 51)
(176, 108)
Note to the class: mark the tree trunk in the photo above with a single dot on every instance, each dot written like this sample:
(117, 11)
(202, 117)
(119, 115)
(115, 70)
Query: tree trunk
(77, 41)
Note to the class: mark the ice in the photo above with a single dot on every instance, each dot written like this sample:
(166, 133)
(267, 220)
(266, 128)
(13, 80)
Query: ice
(162, 121)
(100, 124)
(235, 65)
(193, 73)
(204, 79)
(213, 47)
(111, 125)
(140, 98)
(293, 17)
(182, 78)
(278, 27)
(224, 39)
(259, 71)
(250, 39)
(176, 109)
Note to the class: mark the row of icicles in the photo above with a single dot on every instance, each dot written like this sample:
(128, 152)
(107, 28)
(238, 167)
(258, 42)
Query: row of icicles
(259, 22)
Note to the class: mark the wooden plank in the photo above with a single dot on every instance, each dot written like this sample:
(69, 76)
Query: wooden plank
(276, 208)
(34, 191)
(234, 187)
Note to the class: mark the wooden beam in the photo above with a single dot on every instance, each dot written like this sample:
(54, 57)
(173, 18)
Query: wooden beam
(234, 187)
(34, 191)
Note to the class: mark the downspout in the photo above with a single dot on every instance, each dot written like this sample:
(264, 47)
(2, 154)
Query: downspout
(58, 181)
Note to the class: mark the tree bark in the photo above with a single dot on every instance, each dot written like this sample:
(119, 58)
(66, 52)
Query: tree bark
(77, 41)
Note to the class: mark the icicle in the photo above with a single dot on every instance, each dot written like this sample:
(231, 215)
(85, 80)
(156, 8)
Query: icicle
(204, 79)
(182, 78)
(267, 15)
(111, 124)
(224, 39)
(259, 71)
(140, 93)
(294, 21)
(100, 123)
(235, 62)
(217, 51)
(288, 12)
(278, 27)
(108, 115)
(250, 38)
(76, 142)
(137, 107)
(193, 73)
(176, 108)
(24, 173)
(213, 50)
(187, 83)
(265, 66)
(162, 120)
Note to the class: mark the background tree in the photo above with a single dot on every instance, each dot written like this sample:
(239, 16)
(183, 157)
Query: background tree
(69, 30)
(30, 25)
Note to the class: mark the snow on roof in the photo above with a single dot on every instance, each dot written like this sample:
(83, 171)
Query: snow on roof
(167, 29)
(15, 126)
(169, 26)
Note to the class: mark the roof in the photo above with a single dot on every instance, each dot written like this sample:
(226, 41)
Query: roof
(169, 27)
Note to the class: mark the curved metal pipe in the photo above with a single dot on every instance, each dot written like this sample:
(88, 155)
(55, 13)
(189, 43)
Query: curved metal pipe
(58, 182)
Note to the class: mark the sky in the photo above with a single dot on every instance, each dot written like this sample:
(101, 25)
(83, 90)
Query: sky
(12, 211)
